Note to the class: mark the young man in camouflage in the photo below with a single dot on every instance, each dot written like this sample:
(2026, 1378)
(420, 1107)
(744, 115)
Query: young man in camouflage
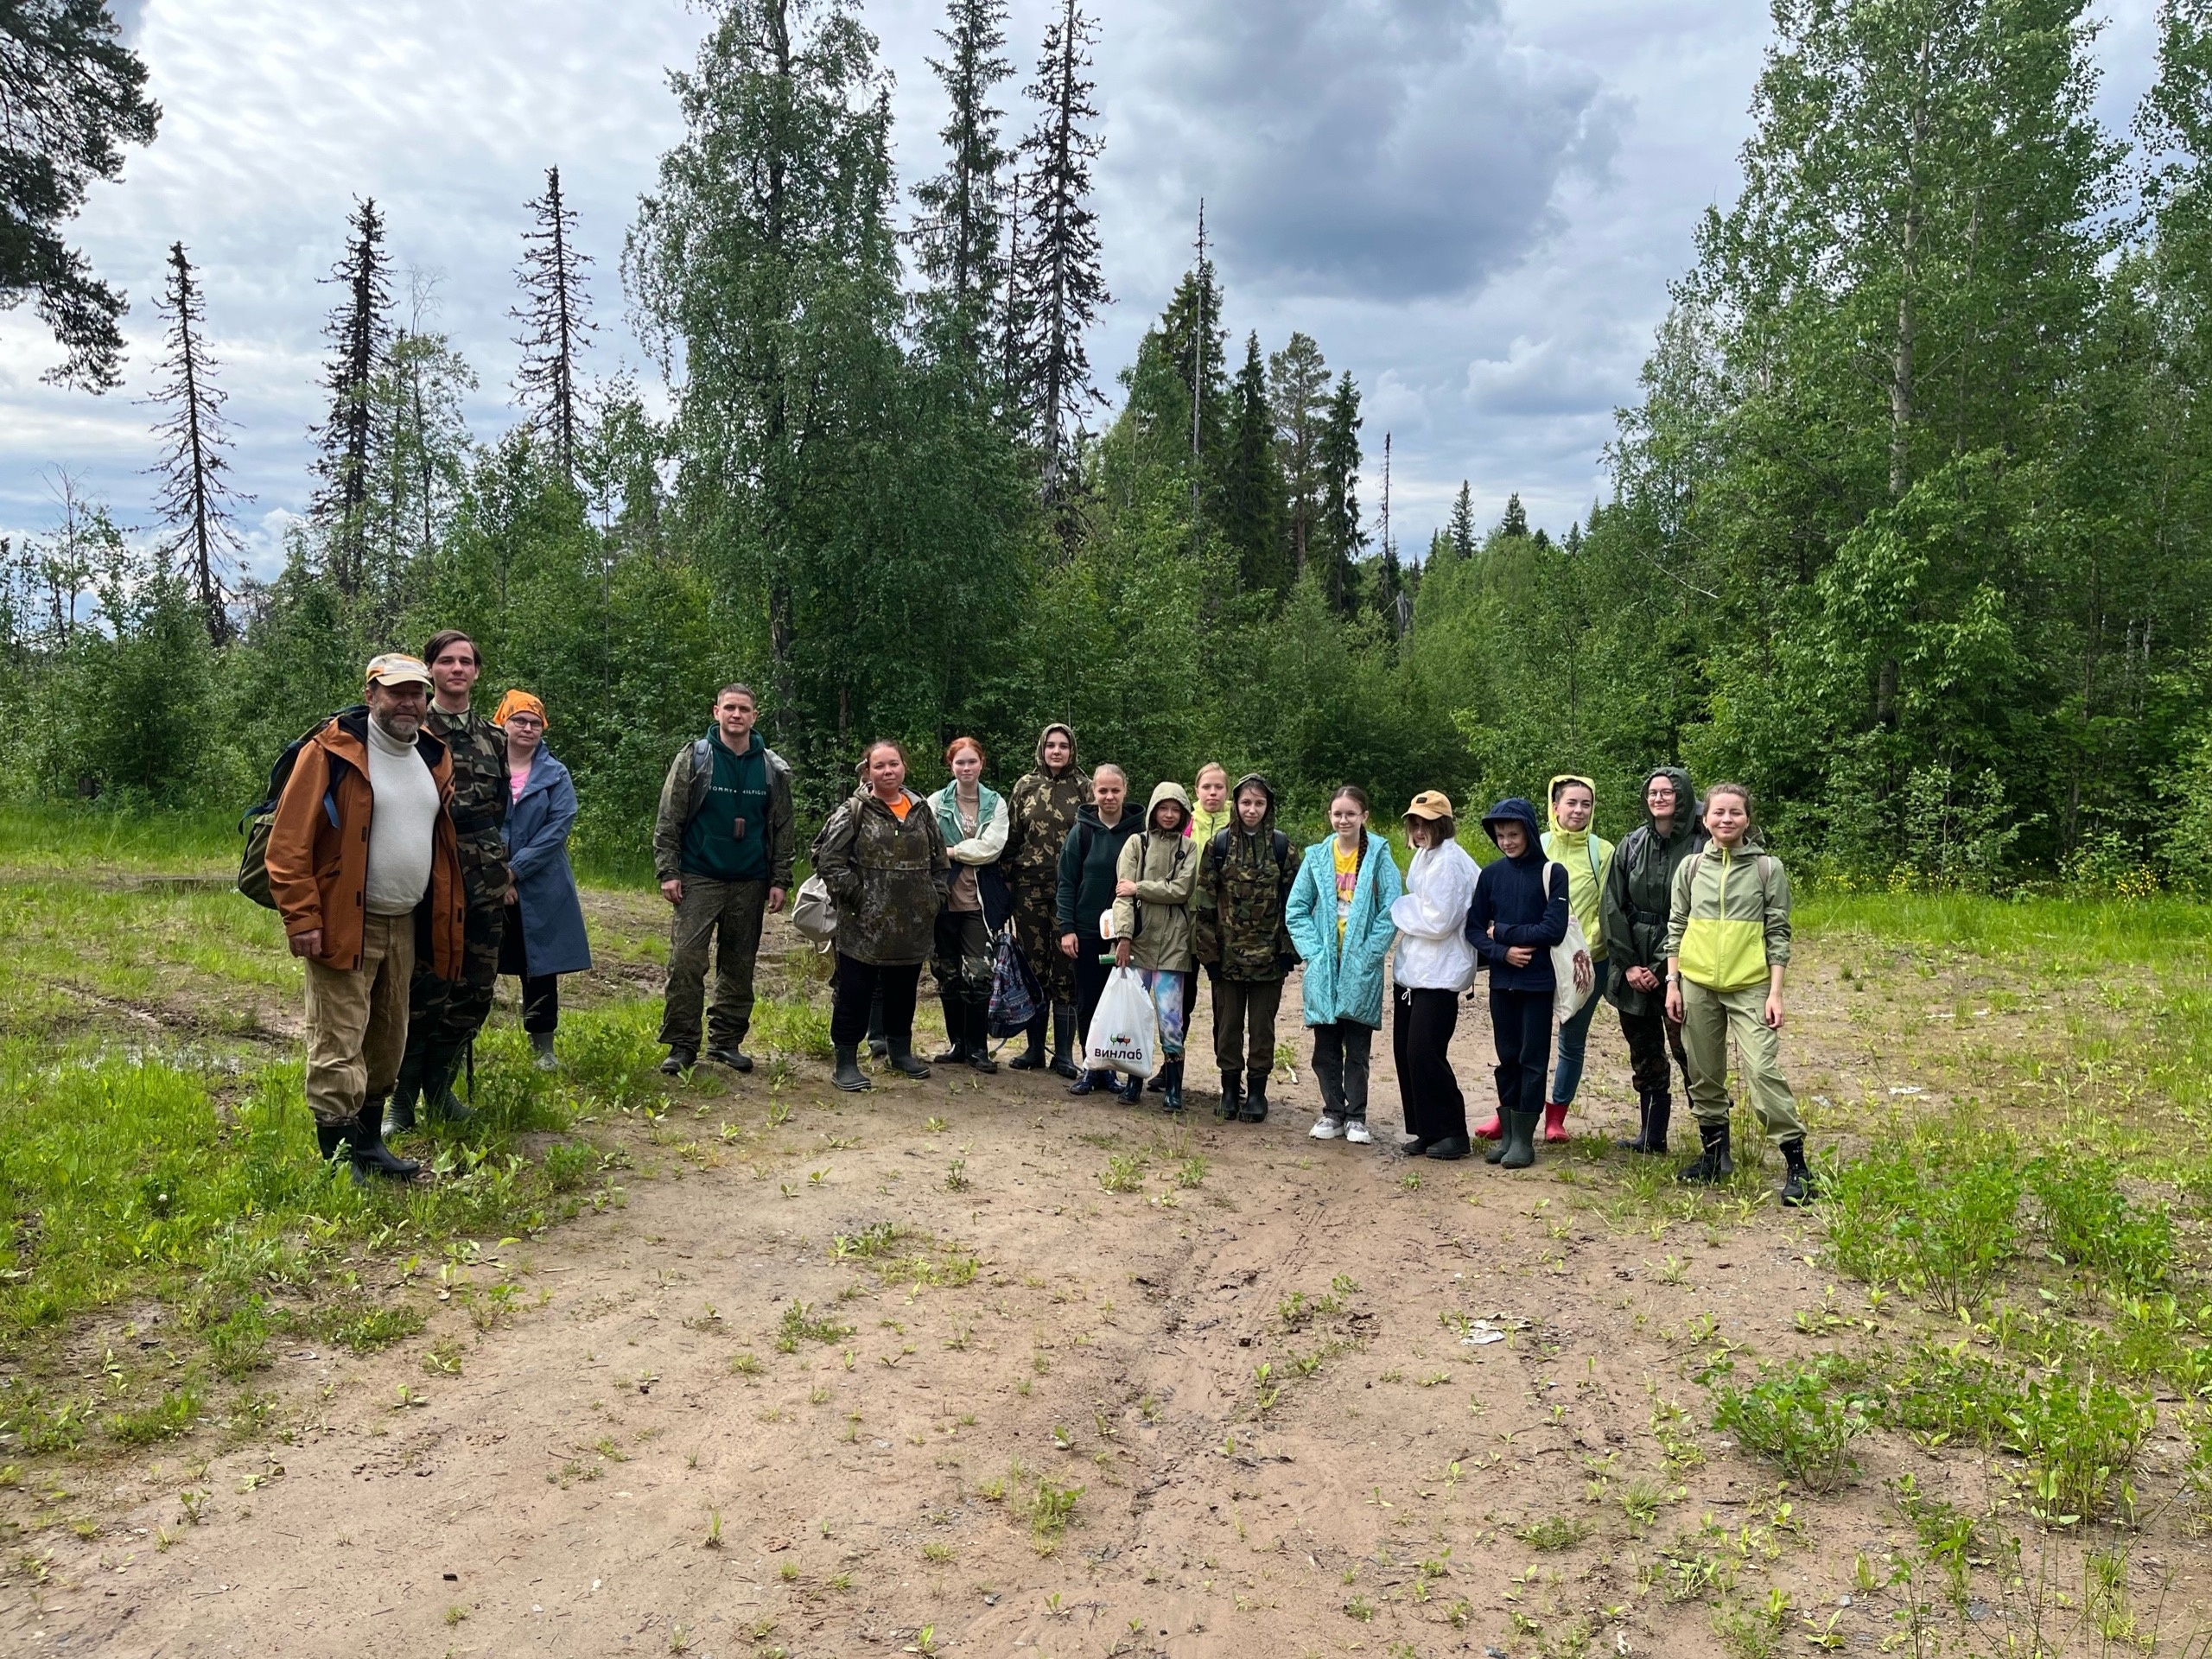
(443, 1015)
(722, 852)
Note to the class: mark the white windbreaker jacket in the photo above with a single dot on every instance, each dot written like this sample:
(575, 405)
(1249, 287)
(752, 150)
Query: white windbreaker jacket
(1433, 949)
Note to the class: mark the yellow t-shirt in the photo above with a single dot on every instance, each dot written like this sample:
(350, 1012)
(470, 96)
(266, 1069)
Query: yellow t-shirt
(1347, 879)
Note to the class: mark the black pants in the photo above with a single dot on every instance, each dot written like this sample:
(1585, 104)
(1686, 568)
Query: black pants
(1422, 1023)
(1090, 977)
(1340, 1055)
(1244, 1026)
(541, 993)
(858, 982)
(1649, 1038)
(1521, 1024)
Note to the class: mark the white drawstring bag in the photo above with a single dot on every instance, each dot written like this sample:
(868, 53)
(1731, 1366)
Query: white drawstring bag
(1124, 1033)
(1573, 973)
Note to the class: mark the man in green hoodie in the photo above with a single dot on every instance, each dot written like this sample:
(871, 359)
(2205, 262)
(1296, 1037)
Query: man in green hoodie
(722, 851)
(1632, 914)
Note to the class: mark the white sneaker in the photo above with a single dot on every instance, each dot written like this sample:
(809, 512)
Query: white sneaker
(1356, 1132)
(1327, 1129)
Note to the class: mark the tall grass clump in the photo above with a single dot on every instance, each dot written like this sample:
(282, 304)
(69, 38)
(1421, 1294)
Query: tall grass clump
(1938, 1215)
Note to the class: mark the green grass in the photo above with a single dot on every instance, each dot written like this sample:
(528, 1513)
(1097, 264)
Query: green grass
(51, 836)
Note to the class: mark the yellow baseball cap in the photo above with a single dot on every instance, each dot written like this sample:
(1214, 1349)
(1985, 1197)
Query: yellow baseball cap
(1431, 804)
(398, 668)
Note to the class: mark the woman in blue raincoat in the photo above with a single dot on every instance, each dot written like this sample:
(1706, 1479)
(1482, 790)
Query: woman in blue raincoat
(541, 809)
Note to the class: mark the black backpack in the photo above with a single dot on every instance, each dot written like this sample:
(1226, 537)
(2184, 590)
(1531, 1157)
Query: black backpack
(256, 820)
(1277, 840)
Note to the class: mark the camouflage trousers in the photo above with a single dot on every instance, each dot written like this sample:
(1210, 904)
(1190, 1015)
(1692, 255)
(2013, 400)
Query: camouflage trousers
(443, 1014)
(1036, 929)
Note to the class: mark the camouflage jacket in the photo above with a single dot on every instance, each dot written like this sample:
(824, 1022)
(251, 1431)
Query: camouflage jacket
(889, 878)
(1040, 813)
(1237, 909)
(479, 800)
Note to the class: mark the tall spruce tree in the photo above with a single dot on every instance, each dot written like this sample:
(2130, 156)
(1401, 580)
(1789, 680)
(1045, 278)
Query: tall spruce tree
(555, 318)
(1297, 395)
(1339, 537)
(1252, 489)
(1462, 536)
(958, 234)
(73, 96)
(1515, 522)
(359, 332)
(196, 499)
(1060, 279)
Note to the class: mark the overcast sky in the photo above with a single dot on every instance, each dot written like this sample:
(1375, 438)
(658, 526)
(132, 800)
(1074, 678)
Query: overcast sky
(1474, 205)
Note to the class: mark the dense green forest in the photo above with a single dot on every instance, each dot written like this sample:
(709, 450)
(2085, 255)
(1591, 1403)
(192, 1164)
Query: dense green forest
(1911, 527)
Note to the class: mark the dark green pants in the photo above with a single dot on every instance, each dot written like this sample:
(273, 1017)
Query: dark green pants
(443, 1014)
(730, 913)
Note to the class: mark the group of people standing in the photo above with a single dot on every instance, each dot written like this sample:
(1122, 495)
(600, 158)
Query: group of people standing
(418, 850)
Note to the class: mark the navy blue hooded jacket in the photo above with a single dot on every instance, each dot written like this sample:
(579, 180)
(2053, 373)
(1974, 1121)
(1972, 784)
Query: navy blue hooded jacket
(1510, 899)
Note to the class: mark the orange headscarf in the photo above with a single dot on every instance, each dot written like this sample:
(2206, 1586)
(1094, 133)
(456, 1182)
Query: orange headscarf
(518, 702)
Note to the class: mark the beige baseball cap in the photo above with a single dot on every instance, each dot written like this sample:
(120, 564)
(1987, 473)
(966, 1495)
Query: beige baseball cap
(398, 668)
(1431, 804)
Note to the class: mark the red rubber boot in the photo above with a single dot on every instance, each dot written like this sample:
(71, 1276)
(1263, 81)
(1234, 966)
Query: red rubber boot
(1493, 1130)
(1555, 1120)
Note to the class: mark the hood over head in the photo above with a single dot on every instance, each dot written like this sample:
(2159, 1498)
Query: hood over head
(1513, 809)
(1062, 727)
(1551, 794)
(1167, 791)
(1253, 780)
(1686, 812)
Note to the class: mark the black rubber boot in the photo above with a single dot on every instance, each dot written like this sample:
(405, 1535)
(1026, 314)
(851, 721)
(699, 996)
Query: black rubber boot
(335, 1142)
(903, 1061)
(679, 1061)
(978, 1007)
(1256, 1102)
(955, 1031)
(1232, 1097)
(440, 1103)
(1130, 1092)
(878, 1044)
(1655, 1133)
(1519, 1141)
(1494, 1150)
(1064, 1039)
(370, 1155)
(1712, 1164)
(1032, 1058)
(731, 1055)
(1171, 1086)
(848, 1075)
(1157, 1084)
(399, 1110)
(1798, 1186)
(1640, 1141)
(1452, 1147)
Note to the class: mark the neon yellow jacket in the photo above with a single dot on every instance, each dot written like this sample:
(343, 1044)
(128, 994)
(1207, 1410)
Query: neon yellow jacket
(1204, 826)
(1586, 855)
(1728, 924)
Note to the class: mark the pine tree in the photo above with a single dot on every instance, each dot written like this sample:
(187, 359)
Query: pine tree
(959, 233)
(1060, 279)
(195, 498)
(72, 95)
(1339, 537)
(1252, 485)
(557, 324)
(1462, 532)
(1298, 389)
(359, 331)
(1515, 522)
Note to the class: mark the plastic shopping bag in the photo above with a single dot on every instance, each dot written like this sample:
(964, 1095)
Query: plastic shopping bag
(1124, 1034)
(1016, 999)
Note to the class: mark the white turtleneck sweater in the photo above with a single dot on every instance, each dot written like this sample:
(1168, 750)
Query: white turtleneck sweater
(400, 826)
